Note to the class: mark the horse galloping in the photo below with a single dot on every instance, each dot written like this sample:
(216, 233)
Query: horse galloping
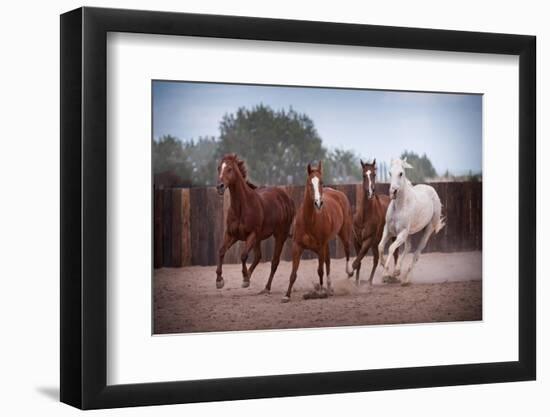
(254, 215)
(369, 221)
(411, 210)
(324, 214)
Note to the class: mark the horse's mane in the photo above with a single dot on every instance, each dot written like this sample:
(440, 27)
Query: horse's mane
(232, 157)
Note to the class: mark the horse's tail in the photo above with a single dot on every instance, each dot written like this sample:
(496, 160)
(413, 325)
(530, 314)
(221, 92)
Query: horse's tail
(440, 224)
(439, 219)
(291, 230)
(290, 213)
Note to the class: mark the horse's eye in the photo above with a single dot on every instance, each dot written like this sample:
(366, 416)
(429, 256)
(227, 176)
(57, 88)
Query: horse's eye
(400, 174)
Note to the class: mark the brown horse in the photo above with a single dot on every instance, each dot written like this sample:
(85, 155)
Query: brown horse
(369, 221)
(324, 214)
(254, 215)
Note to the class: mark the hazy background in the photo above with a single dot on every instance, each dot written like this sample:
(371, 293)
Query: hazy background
(441, 132)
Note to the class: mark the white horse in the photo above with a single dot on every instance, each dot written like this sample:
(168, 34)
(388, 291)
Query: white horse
(411, 210)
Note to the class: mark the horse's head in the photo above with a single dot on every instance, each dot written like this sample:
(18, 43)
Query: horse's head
(369, 178)
(397, 176)
(314, 184)
(230, 169)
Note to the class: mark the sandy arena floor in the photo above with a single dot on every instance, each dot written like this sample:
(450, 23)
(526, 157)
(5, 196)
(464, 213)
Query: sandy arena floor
(444, 287)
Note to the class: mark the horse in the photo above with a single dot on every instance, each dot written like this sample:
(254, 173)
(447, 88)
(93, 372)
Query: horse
(412, 209)
(255, 214)
(324, 214)
(369, 221)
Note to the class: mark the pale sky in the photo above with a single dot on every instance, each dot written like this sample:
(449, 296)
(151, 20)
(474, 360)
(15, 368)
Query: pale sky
(373, 123)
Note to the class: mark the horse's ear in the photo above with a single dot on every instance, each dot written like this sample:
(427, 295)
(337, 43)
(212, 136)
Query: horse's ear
(309, 169)
(362, 164)
(405, 164)
(374, 161)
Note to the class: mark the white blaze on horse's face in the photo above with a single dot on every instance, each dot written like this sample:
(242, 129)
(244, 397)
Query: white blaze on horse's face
(371, 191)
(221, 170)
(317, 200)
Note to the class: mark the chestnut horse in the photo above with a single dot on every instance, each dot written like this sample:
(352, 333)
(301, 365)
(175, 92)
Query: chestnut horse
(369, 221)
(254, 215)
(324, 214)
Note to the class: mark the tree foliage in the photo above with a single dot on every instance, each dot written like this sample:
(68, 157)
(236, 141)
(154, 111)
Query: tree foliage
(423, 168)
(276, 145)
(192, 163)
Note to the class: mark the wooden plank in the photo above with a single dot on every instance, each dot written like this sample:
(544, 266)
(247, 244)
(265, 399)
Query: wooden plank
(176, 227)
(204, 227)
(477, 197)
(158, 228)
(468, 230)
(443, 196)
(233, 255)
(167, 228)
(456, 218)
(196, 224)
(214, 223)
(286, 254)
(185, 227)
(434, 244)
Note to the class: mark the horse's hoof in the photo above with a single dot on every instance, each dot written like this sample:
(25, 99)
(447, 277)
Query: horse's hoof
(396, 273)
(265, 291)
(219, 284)
(285, 299)
(388, 279)
(330, 291)
(245, 284)
(405, 283)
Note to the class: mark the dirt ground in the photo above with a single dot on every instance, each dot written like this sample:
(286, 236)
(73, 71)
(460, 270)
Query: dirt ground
(444, 287)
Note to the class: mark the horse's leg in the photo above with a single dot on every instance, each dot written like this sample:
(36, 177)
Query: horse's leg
(382, 244)
(297, 251)
(427, 233)
(228, 241)
(395, 254)
(321, 257)
(249, 244)
(279, 243)
(361, 254)
(357, 244)
(345, 237)
(375, 256)
(399, 240)
(406, 249)
(257, 258)
(330, 291)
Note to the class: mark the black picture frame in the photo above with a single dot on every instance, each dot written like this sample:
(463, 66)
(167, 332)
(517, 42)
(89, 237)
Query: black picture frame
(84, 207)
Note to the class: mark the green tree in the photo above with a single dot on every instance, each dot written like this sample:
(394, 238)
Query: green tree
(342, 167)
(200, 157)
(193, 163)
(423, 168)
(276, 145)
(169, 157)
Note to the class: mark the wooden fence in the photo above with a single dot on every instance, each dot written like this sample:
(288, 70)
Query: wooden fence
(189, 223)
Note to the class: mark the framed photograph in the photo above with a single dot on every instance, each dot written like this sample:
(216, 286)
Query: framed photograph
(256, 208)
